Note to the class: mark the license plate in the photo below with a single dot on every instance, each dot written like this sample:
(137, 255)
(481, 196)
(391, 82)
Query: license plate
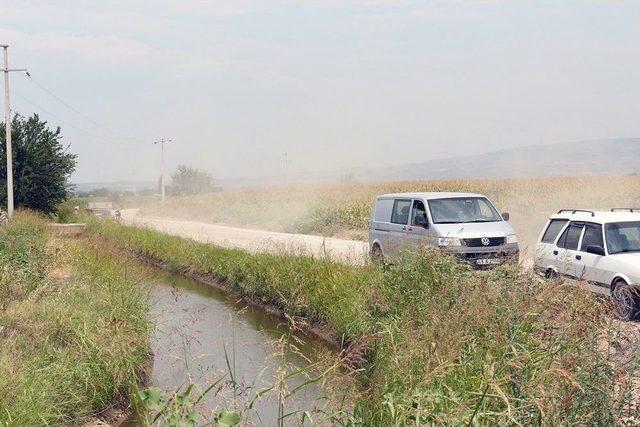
(487, 261)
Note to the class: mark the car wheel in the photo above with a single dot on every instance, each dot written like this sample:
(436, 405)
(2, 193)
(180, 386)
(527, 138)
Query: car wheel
(625, 299)
(377, 256)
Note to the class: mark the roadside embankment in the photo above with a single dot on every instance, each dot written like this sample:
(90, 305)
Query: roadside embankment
(73, 327)
(429, 340)
(256, 241)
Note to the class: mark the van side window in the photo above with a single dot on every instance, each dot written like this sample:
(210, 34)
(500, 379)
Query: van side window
(553, 230)
(382, 211)
(571, 236)
(592, 236)
(418, 214)
(400, 213)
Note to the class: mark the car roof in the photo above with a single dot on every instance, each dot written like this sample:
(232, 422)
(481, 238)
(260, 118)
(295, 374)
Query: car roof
(428, 195)
(598, 216)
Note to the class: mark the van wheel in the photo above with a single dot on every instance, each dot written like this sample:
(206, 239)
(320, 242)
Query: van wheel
(376, 256)
(625, 299)
(551, 274)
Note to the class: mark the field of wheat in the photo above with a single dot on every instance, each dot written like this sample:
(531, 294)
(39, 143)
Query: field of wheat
(343, 210)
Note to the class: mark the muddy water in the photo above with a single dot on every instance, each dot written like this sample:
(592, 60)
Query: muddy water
(197, 324)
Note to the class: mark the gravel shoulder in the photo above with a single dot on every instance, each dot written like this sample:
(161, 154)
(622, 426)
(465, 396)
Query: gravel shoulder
(348, 251)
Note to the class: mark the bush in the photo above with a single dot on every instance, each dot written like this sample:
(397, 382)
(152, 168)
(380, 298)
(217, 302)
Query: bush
(328, 220)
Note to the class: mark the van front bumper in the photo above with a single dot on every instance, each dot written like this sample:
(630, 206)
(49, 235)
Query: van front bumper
(486, 257)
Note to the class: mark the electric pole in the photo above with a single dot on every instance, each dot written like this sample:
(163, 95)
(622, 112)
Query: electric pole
(7, 126)
(161, 142)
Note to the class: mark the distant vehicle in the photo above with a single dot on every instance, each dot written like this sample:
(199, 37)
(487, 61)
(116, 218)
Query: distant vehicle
(100, 209)
(600, 248)
(464, 224)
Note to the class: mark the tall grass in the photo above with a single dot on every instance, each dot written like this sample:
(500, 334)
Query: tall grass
(344, 209)
(73, 327)
(431, 341)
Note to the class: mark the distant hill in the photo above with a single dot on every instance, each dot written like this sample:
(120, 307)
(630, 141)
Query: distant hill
(611, 156)
(606, 156)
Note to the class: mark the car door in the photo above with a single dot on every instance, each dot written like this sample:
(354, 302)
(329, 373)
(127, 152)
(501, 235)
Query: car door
(398, 226)
(567, 248)
(418, 229)
(589, 267)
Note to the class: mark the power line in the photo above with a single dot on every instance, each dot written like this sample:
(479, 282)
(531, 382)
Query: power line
(44, 110)
(75, 110)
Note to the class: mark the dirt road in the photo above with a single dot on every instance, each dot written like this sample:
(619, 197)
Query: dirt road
(349, 251)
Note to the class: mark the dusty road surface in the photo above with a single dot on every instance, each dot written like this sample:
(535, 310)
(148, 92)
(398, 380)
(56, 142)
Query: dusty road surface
(342, 250)
(348, 251)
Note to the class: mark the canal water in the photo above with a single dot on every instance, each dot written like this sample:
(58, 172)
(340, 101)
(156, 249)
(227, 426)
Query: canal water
(203, 335)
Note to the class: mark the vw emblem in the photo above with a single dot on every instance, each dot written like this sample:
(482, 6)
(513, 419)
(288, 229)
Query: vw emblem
(485, 241)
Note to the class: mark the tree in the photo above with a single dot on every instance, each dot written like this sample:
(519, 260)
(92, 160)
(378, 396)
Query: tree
(188, 180)
(41, 164)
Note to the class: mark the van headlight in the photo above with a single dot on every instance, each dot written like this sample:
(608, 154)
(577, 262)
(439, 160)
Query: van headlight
(449, 241)
(511, 238)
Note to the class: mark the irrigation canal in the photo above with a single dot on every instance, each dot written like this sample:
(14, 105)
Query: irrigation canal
(203, 335)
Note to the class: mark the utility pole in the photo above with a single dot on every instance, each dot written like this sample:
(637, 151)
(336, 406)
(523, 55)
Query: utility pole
(7, 126)
(161, 142)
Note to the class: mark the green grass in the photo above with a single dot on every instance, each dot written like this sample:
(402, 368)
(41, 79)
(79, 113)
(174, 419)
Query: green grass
(73, 327)
(443, 344)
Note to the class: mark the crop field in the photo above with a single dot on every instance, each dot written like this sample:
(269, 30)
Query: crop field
(343, 210)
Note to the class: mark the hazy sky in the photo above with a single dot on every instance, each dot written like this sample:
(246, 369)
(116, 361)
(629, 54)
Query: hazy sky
(332, 83)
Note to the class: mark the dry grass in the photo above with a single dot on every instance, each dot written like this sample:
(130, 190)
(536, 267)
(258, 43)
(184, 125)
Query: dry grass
(343, 209)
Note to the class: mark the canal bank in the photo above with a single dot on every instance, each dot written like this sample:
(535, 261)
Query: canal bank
(429, 340)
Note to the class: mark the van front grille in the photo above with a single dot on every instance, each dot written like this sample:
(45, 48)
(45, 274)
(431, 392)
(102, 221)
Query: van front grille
(477, 242)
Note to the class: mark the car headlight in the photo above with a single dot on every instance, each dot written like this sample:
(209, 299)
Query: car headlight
(511, 238)
(449, 241)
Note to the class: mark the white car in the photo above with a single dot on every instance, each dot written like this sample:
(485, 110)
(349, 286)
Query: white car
(599, 248)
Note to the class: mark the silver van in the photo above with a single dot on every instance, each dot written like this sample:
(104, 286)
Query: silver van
(465, 224)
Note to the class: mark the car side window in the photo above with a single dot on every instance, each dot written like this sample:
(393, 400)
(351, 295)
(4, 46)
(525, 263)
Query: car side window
(552, 231)
(400, 213)
(571, 236)
(418, 214)
(592, 236)
(563, 238)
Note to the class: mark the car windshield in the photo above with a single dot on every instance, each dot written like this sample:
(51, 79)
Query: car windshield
(463, 209)
(623, 237)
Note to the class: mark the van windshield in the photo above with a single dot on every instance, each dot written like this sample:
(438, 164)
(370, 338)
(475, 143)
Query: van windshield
(463, 209)
(623, 237)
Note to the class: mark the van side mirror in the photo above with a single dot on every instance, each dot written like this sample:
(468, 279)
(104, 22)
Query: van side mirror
(505, 216)
(421, 221)
(595, 249)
